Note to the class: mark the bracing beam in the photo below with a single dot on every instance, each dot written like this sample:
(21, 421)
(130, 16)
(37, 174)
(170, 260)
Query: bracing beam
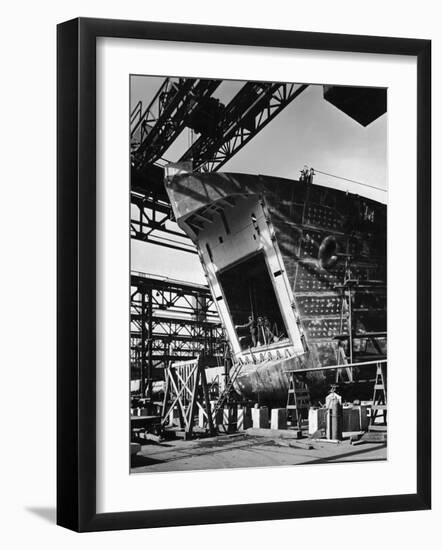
(254, 106)
(170, 320)
(154, 129)
(151, 221)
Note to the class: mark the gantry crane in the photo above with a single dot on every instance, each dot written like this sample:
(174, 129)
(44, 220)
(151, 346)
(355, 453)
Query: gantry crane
(223, 131)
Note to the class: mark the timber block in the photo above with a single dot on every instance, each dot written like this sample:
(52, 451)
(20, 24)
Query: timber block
(229, 418)
(260, 417)
(244, 418)
(278, 419)
(317, 419)
(274, 434)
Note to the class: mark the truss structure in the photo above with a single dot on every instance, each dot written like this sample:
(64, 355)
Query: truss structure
(254, 106)
(170, 321)
(186, 392)
(151, 221)
(155, 128)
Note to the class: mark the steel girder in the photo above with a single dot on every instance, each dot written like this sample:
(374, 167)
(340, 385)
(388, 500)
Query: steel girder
(154, 129)
(253, 107)
(170, 321)
(151, 221)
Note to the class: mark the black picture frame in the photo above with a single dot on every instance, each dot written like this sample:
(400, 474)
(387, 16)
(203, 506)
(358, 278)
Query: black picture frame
(76, 273)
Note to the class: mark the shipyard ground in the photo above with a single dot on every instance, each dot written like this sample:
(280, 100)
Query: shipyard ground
(241, 450)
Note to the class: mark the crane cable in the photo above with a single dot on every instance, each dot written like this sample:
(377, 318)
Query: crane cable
(350, 180)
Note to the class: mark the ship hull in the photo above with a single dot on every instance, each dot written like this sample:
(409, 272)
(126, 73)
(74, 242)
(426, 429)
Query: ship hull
(267, 383)
(298, 274)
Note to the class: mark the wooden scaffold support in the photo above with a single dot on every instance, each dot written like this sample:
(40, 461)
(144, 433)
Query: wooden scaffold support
(186, 392)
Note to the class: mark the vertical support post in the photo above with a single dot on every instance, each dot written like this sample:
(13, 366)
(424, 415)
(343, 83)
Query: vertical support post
(150, 346)
(350, 324)
(166, 392)
(154, 210)
(207, 399)
(142, 290)
(227, 364)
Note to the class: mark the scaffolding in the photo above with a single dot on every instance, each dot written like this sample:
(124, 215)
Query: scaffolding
(170, 321)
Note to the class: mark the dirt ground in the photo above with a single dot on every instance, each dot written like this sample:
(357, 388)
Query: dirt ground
(244, 451)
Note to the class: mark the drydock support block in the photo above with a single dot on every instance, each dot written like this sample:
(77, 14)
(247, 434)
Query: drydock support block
(229, 418)
(244, 418)
(260, 417)
(278, 419)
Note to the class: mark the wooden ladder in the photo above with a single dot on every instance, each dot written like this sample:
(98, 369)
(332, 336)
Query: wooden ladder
(379, 406)
(342, 360)
(298, 399)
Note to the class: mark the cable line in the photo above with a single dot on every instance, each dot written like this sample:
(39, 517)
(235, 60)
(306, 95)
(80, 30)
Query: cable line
(347, 179)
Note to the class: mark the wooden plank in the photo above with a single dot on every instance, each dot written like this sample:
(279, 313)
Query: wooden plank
(268, 432)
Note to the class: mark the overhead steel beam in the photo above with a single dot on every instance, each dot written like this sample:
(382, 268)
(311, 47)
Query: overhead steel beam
(150, 222)
(154, 129)
(254, 106)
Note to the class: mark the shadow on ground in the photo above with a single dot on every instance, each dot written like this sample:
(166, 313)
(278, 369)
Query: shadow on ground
(46, 513)
(335, 458)
(139, 460)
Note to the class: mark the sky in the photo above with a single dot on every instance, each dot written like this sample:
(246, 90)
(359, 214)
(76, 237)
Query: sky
(309, 131)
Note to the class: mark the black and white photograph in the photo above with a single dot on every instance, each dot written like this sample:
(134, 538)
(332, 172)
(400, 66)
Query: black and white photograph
(220, 244)
(258, 274)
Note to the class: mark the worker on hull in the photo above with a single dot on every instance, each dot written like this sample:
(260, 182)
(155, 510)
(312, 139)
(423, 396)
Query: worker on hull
(251, 325)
